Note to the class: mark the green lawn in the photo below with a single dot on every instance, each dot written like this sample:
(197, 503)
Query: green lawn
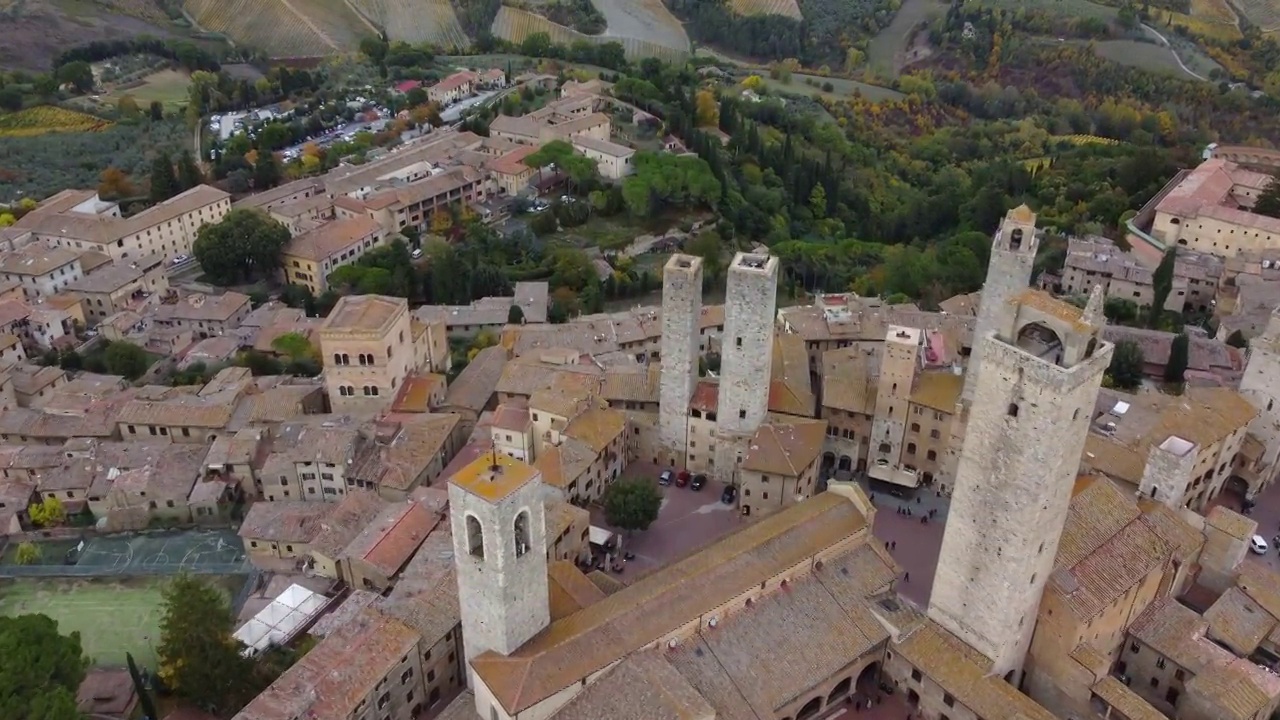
(1144, 56)
(114, 616)
(167, 86)
(1067, 8)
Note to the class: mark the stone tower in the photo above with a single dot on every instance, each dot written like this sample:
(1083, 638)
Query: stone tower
(898, 364)
(1031, 408)
(1013, 252)
(746, 356)
(681, 308)
(1261, 386)
(499, 549)
(1168, 473)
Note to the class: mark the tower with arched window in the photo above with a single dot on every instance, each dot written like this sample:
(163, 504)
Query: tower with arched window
(1013, 253)
(499, 549)
(1028, 421)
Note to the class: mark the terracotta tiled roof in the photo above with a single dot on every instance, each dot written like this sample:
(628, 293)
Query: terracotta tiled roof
(938, 390)
(785, 448)
(1231, 522)
(573, 648)
(475, 385)
(964, 674)
(643, 686)
(849, 379)
(1128, 703)
(1098, 511)
(363, 312)
(1236, 690)
(1177, 632)
(569, 589)
(284, 521)
(1239, 622)
(597, 427)
(790, 391)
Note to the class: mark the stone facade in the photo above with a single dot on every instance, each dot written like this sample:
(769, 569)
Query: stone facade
(1027, 427)
(746, 356)
(499, 530)
(1261, 386)
(898, 363)
(681, 307)
(1013, 252)
(1169, 471)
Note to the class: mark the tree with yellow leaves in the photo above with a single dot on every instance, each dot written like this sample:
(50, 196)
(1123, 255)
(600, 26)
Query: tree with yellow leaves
(114, 184)
(441, 221)
(7, 219)
(708, 109)
(47, 512)
(754, 83)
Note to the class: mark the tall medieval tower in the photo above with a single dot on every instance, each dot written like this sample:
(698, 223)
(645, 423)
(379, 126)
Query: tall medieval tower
(499, 550)
(898, 364)
(746, 356)
(1261, 385)
(681, 308)
(1013, 253)
(1032, 404)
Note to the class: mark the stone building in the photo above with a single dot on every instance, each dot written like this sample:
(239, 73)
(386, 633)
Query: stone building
(898, 363)
(1043, 361)
(681, 308)
(1209, 210)
(1261, 387)
(1013, 253)
(499, 530)
(746, 356)
(367, 346)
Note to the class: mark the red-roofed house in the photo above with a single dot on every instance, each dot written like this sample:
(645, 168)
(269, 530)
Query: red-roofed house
(453, 88)
(407, 85)
(380, 550)
(509, 171)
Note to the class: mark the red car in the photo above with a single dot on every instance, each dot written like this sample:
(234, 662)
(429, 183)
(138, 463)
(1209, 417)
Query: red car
(683, 478)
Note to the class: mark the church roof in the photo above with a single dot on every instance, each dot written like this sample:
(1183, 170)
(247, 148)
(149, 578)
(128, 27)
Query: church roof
(571, 649)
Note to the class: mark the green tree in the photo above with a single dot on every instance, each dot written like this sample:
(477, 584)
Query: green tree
(582, 171)
(1236, 340)
(245, 244)
(189, 174)
(1162, 285)
(666, 180)
(1268, 202)
(10, 98)
(77, 74)
(1126, 365)
(295, 346)
(1179, 351)
(127, 359)
(40, 669)
(199, 658)
(164, 182)
(266, 172)
(47, 512)
(156, 110)
(515, 316)
(28, 553)
(632, 503)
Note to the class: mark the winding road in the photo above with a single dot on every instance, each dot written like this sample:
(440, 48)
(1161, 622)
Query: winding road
(1165, 42)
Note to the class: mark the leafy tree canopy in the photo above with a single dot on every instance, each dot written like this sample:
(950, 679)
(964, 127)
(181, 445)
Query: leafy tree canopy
(245, 244)
(40, 669)
(632, 503)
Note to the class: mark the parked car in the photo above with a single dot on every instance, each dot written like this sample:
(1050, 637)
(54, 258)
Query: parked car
(729, 495)
(682, 479)
(665, 478)
(699, 482)
(1258, 545)
(417, 253)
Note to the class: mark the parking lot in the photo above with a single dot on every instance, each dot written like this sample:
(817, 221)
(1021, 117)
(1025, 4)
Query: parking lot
(688, 521)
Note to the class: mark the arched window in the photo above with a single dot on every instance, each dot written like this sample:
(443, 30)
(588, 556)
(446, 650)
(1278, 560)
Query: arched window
(1013, 410)
(911, 448)
(373, 390)
(1091, 347)
(351, 390)
(337, 359)
(521, 533)
(346, 359)
(885, 447)
(475, 537)
(1015, 239)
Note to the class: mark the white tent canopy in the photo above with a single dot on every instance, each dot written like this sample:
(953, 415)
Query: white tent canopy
(279, 621)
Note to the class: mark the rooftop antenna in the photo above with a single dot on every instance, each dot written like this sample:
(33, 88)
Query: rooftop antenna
(493, 460)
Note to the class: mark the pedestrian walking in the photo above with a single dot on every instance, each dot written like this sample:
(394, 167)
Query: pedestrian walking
(906, 577)
(886, 544)
(893, 544)
(917, 499)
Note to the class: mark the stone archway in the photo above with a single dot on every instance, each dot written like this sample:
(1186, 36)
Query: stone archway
(828, 460)
(1040, 340)
(840, 691)
(845, 464)
(810, 709)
